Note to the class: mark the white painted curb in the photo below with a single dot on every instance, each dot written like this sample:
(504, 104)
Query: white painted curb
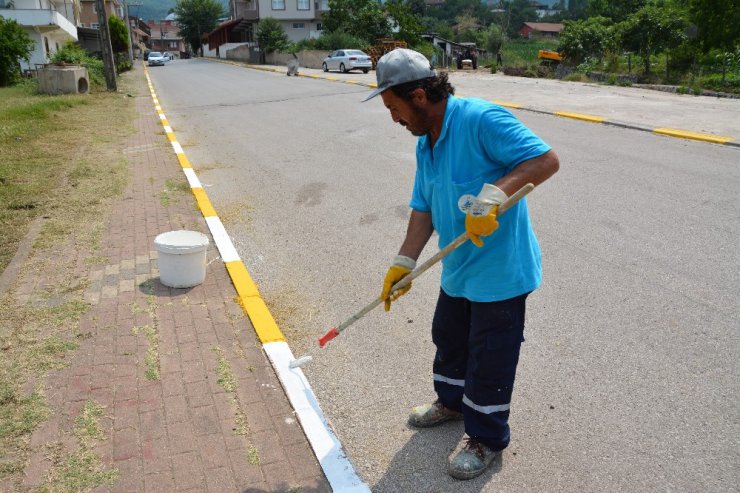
(337, 467)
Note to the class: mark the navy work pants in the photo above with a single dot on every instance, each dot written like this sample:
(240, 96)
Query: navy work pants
(475, 365)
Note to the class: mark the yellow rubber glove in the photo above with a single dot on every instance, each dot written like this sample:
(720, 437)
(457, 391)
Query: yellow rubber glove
(480, 219)
(481, 225)
(402, 266)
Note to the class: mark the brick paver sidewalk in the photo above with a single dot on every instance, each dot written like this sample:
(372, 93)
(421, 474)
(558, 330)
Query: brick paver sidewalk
(190, 402)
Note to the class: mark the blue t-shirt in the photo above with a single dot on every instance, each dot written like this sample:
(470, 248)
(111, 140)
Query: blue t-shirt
(480, 142)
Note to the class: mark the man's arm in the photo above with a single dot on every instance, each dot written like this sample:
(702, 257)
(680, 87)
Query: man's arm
(535, 171)
(419, 231)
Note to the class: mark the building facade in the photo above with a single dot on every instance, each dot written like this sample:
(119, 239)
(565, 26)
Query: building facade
(49, 23)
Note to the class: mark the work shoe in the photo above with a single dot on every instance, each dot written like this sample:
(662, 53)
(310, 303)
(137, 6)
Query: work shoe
(433, 414)
(469, 459)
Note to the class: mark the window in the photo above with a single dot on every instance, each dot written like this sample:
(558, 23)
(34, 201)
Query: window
(94, 25)
(319, 26)
(303, 4)
(278, 4)
(298, 25)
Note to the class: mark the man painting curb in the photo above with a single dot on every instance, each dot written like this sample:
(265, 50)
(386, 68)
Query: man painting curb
(471, 155)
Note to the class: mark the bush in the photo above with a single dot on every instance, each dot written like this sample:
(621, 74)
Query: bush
(73, 53)
(714, 82)
(123, 64)
(15, 45)
(338, 40)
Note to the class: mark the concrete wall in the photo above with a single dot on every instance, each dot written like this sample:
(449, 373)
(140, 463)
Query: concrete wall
(306, 58)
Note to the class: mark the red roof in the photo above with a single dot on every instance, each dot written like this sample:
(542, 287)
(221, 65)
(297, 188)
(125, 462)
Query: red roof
(545, 27)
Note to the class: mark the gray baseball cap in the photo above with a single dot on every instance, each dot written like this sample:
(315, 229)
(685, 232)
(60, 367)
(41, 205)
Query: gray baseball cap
(398, 67)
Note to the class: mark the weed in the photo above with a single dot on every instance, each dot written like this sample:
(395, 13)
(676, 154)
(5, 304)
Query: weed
(83, 469)
(225, 376)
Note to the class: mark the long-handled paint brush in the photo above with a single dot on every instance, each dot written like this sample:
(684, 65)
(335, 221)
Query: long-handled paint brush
(335, 331)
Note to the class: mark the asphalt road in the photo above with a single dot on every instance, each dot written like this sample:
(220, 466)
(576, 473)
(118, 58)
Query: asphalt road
(629, 378)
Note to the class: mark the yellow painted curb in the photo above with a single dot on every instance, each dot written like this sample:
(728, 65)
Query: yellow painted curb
(579, 116)
(265, 326)
(373, 85)
(507, 105)
(183, 160)
(245, 286)
(203, 202)
(686, 134)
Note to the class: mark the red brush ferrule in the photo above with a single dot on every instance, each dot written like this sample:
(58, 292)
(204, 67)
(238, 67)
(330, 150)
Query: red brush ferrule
(328, 337)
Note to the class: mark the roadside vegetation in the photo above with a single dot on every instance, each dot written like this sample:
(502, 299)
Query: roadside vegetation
(61, 165)
(691, 44)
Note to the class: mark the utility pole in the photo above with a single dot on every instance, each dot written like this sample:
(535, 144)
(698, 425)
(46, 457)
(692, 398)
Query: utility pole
(128, 27)
(128, 31)
(105, 46)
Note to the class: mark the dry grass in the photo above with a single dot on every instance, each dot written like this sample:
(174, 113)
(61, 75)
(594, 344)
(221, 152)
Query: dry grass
(61, 159)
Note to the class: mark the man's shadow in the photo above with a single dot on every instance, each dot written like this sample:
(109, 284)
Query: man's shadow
(421, 465)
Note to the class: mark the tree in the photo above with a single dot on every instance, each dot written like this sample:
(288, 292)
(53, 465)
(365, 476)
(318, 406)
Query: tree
(494, 39)
(586, 38)
(651, 30)
(362, 18)
(616, 10)
(197, 17)
(409, 25)
(515, 13)
(271, 35)
(15, 45)
(118, 34)
(717, 22)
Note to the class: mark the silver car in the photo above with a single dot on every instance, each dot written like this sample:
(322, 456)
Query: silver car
(346, 60)
(156, 58)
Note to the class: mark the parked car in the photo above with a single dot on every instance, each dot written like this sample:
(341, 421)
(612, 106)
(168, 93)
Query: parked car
(156, 58)
(346, 60)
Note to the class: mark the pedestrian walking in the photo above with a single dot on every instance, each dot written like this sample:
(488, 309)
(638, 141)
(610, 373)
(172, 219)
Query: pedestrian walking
(470, 156)
(499, 59)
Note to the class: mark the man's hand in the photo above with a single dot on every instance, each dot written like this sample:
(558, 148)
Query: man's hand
(402, 266)
(481, 216)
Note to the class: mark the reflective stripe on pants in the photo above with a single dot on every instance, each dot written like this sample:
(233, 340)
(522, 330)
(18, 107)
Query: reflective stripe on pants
(475, 364)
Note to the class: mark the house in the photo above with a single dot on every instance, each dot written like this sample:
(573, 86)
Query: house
(165, 35)
(88, 28)
(301, 19)
(140, 35)
(49, 23)
(542, 29)
(544, 10)
(89, 13)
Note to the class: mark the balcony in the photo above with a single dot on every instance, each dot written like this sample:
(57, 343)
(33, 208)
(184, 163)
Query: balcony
(44, 20)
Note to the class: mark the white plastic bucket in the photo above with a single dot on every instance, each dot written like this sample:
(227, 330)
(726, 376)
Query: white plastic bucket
(182, 258)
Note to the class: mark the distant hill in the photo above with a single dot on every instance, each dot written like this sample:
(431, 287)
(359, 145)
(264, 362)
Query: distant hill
(157, 9)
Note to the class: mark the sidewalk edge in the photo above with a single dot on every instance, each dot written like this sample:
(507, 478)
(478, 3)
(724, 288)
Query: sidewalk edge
(334, 462)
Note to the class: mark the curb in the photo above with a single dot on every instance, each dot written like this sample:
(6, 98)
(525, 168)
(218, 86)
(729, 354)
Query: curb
(326, 446)
(670, 132)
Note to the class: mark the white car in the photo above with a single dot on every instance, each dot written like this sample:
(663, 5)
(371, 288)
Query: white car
(156, 58)
(346, 60)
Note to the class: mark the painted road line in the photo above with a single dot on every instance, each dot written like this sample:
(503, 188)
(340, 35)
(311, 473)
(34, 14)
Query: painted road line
(221, 238)
(337, 468)
(580, 116)
(326, 446)
(204, 203)
(508, 105)
(192, 178)
(686, 134)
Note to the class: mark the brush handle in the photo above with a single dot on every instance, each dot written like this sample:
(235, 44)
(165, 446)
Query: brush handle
(335, 331)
